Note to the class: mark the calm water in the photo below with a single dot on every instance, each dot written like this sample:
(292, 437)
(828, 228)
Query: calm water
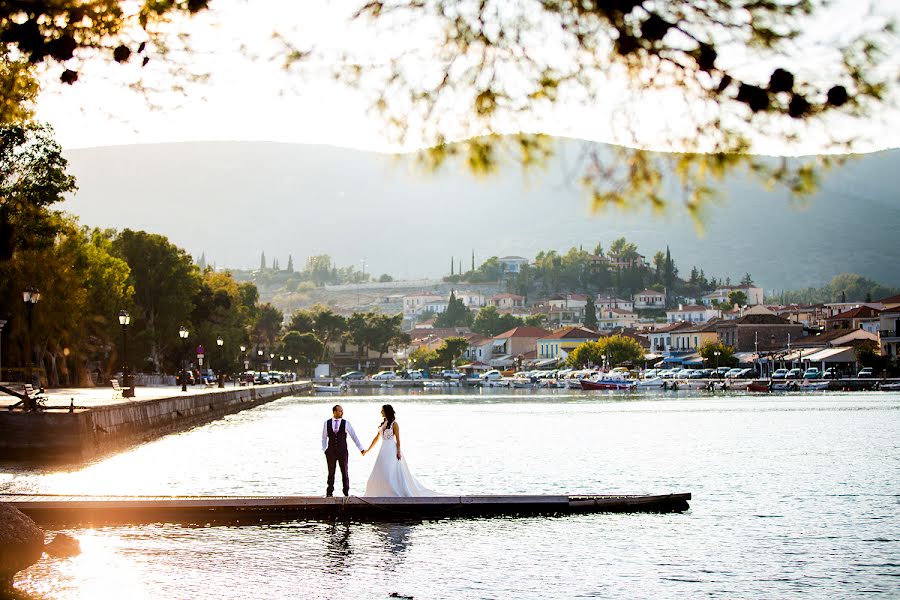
(792, 495)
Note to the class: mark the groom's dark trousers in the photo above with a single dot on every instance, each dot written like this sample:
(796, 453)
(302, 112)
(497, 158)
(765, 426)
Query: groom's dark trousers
(336, 453)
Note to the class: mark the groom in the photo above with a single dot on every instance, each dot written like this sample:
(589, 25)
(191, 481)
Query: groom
(334, 445)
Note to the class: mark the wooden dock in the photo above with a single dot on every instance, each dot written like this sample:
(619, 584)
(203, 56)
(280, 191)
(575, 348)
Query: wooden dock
(70, 511)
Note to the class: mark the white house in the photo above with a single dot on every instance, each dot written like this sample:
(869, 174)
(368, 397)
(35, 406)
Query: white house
(414, 304)
(480, 349)
(649, 299)
(471, 299)
(609, 302)
(436, 306)
(512, 264)
(615, 318)
(754, 294)
(691, 313)
(661, 338)
(507, 301)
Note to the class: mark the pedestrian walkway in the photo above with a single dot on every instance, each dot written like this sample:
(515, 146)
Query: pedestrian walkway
(58, 398)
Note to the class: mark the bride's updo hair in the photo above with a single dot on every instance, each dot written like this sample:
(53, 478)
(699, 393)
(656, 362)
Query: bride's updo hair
(388, 416)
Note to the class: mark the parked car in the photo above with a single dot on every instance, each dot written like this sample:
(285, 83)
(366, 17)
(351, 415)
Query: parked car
(732, 373)
(746, 374)
(779, 374)
(831, 373)
(262, 378)
(353, 376)
(812, 373)
(651, 373)
(866, 373)
(415, 374)
(189, 377)
(794, 373)
(702, 374)
(451, 374)
(492, 375)
(721, 372)
(384, 376)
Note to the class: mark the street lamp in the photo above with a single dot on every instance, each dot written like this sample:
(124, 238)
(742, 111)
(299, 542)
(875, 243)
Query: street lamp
(219, 343)
(259, 359)
(271, 360)
(243, 361)
(2, 323)
(183, 334)
(716, 353)
(31, 296)
(127, 380)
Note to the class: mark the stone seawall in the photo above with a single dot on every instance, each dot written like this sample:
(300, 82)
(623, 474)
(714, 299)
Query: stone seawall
(72, 437)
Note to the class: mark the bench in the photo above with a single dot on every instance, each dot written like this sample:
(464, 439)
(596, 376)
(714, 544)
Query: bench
(118, 391)
(29, 399)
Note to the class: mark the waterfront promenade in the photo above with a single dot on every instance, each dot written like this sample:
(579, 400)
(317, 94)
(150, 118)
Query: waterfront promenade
(78, 424)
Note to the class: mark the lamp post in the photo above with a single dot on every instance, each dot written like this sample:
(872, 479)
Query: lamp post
(716, 353)
(2, 323)
(127, 380)
(220, 342)
(243, 362)
(183, 334)
(772, 351)
(259, 359)
(31, 296)
(271, 360)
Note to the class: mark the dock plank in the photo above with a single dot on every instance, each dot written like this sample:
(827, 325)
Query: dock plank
(90, 509)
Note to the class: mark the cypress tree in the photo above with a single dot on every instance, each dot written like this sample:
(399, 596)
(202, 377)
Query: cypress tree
(262, 261)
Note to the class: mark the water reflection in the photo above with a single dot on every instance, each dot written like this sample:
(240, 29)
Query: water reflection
(396, 536)
(339, 551)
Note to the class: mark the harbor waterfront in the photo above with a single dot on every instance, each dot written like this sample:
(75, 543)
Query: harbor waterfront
(792, 494)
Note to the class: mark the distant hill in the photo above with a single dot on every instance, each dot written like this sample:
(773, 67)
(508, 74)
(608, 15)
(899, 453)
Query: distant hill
(233, 200)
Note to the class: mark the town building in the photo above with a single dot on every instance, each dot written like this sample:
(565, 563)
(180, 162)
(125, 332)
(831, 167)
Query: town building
(695, 337)
(862, 317)
(615, 318)
(512, 264)
(661, 337)
(507, 301)
(561, 342)
(414, 304)
(691, 313)
(720, 295)
(648, 299)
(609, 302)
(759, 329)
(889, 331)
(511, 346)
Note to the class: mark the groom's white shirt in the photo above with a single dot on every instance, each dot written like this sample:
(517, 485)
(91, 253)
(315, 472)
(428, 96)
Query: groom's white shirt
(331, 423)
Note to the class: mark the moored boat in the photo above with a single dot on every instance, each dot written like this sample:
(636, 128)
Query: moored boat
(330, 389)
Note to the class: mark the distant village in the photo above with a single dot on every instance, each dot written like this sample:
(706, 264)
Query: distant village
(672, 331)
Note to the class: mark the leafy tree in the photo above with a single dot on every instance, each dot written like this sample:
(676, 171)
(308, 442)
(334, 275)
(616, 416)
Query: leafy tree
(737, 297)
(18, 90)
(868, 354)
(490, 322)
(588, 354)
(456, 315)
(621, 349)
(305, 346)
(747, 279)
(623, 250)
(32, 178)
(165, 282)
(267, 327)
(328, 326)
(385, 278)
(262, 262)
(492, 67)
(301, 321)
(450, 350)
(590, 314)
(538, 320)
(422, 358)
(726, 356)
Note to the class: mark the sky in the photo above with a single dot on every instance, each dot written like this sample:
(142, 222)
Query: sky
(257, 100)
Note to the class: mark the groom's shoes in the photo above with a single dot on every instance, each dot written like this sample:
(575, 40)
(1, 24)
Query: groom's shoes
(329, 495)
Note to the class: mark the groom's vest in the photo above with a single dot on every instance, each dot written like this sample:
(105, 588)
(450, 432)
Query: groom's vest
(337, 440)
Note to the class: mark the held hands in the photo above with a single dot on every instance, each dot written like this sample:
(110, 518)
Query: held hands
(363, 452)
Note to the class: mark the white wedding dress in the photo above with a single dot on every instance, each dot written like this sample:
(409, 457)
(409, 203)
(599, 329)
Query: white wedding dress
(391, 477)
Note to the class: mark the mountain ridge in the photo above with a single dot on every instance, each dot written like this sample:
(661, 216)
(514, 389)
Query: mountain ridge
(233, 200)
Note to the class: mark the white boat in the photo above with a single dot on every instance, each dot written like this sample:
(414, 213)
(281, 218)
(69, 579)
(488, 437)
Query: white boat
(814, 385)
(889, 387)
(330, 389)
(653, 382)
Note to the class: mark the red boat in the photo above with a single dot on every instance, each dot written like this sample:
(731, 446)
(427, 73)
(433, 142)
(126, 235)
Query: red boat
(608, 384)
(758, 386)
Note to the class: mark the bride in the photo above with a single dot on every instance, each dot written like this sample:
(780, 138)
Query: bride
(390, 475)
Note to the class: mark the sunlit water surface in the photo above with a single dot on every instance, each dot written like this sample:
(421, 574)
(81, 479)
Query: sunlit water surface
(792, 495)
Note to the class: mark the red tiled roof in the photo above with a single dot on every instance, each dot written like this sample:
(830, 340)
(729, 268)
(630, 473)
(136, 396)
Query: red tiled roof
(500, 296)
(860, 312)
(670, 327)
(645, 292)
(533, 332)
(577, 333)
(891, 300)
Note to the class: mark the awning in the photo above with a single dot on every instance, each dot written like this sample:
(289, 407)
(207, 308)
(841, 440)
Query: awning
(693, 359)
(546, 362)
(499, 343)
(746, 358)
(834, 355)
(502, 361)
(652, 356)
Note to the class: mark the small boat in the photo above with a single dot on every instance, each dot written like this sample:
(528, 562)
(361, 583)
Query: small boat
(608, 382)
(758, 386)
(810, 386)
(785, 386)
(889, 387)
(654, 382)
(331, 389)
